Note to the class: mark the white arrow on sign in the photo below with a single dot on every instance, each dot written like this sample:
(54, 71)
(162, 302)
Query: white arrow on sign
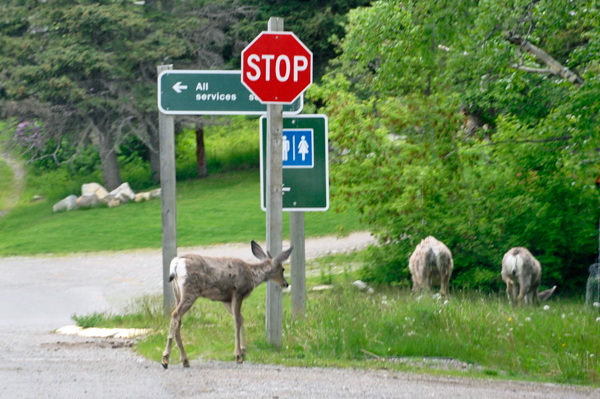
(285, 189)
(178, 87)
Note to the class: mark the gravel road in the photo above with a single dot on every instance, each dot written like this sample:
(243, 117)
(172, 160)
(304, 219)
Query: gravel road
(39, 294)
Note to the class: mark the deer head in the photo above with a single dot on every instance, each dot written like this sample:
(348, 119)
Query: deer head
(275, 272)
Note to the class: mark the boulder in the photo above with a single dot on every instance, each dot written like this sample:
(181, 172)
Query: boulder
(139, 197)
(111, 201)
(94, 188)
(66, 204)
(361, 285)
(155, 193)
(88, 201)
(123, 193)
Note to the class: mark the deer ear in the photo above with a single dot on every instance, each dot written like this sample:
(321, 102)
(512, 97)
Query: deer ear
(282, 257)
(258, 251)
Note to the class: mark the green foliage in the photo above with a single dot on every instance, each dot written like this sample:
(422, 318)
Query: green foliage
(413, 165)
(318, 24)
(230, 144)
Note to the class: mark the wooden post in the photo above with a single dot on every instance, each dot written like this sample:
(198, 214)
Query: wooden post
(298, 277)
(166, 131)
(274, 302)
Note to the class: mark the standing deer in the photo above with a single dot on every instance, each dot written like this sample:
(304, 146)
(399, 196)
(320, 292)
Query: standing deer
(228, 280)
(522, 274)
(431, 263)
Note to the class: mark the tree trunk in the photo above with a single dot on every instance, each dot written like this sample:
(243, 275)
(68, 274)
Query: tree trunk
(108, 157)
(200, 152)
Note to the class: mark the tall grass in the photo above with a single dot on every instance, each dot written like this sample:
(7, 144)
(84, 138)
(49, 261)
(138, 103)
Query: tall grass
(346, 327)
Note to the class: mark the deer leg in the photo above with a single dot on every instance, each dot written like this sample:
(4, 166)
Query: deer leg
(511, 292)
(524, 296)
(444, 283)
(182, 309)
(242, 335)
(175, 332)
(236, 304)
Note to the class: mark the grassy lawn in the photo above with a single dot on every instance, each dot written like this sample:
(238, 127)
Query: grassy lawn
(347, 328)
(221, 208)
(6, 183)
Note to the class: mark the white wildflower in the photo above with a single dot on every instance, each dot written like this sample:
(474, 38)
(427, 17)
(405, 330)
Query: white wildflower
(546, 307)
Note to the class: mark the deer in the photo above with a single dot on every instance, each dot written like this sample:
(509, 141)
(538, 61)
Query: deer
(522, 273)
(228, 280)
(431, 263)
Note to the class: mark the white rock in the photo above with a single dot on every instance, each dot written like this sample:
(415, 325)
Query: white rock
(139, 197)
(155, 193)
(66, 204)
(371, 290)
(94, 188)
(123, 193)
(88, 201)
(361, 285)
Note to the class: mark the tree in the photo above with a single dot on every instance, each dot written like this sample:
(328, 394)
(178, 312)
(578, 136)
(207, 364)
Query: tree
(515, 167)
(83, 63)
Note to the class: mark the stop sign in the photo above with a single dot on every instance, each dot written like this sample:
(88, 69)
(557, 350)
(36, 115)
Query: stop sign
(276, 67)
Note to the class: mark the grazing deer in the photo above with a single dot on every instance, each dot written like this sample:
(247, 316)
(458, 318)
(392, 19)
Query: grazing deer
(522, 273)
(228, 280)
(431, 263)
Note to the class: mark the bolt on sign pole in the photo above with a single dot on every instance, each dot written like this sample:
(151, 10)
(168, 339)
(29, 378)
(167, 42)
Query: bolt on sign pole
(166, 129)
(274, 301)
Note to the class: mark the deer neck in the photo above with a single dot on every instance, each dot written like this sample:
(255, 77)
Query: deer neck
(261, 272)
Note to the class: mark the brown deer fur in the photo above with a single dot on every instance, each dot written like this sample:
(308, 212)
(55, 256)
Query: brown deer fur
(431, 263)
(522, 274)
(228, 280)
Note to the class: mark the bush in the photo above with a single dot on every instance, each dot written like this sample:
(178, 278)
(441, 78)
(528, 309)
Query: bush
(406, 166)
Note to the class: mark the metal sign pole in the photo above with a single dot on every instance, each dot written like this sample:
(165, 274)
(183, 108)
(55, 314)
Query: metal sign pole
(274, 302)
(298, 261)
(166, 129)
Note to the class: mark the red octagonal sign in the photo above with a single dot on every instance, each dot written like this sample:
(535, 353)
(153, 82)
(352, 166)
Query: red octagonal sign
(276, 67)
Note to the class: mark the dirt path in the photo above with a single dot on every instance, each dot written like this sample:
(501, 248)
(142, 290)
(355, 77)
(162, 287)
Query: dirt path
(19, 180)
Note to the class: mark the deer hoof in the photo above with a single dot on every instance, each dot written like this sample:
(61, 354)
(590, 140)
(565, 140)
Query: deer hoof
(239, 358)
(186, 363)
(165, 365)
(165, 361)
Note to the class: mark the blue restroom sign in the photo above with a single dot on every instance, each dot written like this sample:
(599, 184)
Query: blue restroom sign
(298, 149)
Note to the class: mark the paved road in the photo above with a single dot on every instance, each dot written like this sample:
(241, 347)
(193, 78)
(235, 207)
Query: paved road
(39, 294)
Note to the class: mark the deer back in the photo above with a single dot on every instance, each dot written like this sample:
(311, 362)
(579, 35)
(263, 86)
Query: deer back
(214, 278)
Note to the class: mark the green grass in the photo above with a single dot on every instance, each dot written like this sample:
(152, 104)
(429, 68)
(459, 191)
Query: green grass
(6, 184)
(222, 208)
(342, 326)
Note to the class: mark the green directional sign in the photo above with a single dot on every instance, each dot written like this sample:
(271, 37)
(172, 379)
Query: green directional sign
(305, 163)
(182, 92)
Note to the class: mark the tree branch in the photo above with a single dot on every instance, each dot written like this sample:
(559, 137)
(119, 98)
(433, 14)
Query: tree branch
(533, 70)
(555, 66)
